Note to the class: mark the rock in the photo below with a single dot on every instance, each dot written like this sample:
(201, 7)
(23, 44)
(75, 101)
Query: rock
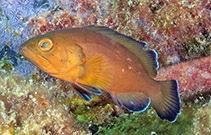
(194, 77)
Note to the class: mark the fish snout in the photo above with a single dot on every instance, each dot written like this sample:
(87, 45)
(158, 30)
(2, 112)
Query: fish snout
(22, 49)
(26, 47)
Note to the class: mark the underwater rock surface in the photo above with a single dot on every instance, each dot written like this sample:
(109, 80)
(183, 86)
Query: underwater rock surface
(194, 77)
(27, 108)
(179, 30)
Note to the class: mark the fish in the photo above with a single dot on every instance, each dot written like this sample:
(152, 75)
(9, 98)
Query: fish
(96, 58)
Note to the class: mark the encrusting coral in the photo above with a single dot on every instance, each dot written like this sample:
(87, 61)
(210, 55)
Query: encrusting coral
(179, 30)
(28, 108)
(202, 123)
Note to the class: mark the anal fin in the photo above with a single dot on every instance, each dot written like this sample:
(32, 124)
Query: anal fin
(134, 102)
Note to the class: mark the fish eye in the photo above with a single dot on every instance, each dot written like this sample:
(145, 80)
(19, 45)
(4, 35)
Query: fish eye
(45, 44)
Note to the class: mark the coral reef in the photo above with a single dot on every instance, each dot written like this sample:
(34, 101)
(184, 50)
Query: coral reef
(173, 28)
(27, 108)
(202, 123)
(166, 25)
(14, 16)
(106, 119)
(179, 30)
(8, 58)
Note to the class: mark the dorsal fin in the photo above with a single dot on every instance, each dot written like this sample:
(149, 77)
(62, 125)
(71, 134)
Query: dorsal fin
(148, 58)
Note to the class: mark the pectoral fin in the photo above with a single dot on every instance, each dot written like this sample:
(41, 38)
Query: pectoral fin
(82, 93)
(85, 91)
(96, 73)
(90, 89)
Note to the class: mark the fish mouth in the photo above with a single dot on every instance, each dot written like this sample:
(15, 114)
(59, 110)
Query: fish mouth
(25, 51)
(33, 57)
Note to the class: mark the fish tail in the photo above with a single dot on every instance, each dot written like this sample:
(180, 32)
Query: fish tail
(167, 105)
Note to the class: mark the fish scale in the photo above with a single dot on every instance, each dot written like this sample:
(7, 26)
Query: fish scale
(95, 58)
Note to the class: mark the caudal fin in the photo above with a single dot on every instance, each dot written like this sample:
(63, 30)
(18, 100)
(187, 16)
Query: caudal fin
(168, 105)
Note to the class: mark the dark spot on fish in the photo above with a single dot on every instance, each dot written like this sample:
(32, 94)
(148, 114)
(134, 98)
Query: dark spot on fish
(44, 58)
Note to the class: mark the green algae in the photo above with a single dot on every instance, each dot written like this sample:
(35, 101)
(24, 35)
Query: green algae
(95, 111)
(197, 48)
(36, 77)
(147, 123)
(102, 117)
(6, 65)
(8, 58)
(107, 120)
(28, 108)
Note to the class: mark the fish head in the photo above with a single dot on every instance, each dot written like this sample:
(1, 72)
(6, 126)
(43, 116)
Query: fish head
(53, 52)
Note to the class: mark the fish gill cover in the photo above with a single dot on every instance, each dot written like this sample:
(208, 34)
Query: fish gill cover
(178, 30)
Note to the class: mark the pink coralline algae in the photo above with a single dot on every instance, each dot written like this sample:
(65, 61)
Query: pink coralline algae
(168, 26)
(177, 30)
(194, 77)
(58, 21)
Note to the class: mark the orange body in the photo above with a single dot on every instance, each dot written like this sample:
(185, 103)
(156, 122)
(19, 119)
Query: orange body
(127, 72)
(93, 58)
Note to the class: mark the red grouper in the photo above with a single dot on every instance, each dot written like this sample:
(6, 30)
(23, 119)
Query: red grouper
(95, 58)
